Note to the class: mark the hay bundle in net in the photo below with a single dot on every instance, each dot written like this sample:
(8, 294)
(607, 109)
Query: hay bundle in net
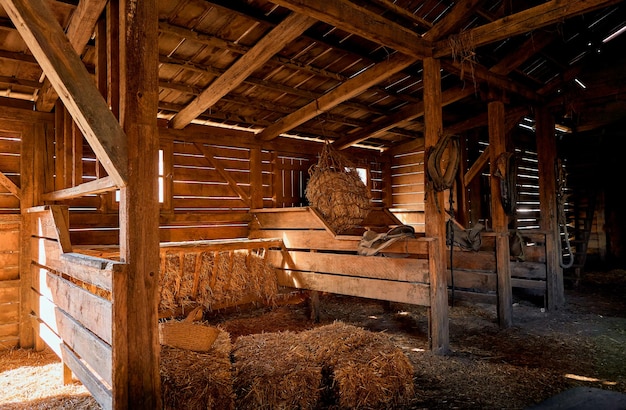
(336, 191)
(275, 371)
(198, 380)
(368, 370)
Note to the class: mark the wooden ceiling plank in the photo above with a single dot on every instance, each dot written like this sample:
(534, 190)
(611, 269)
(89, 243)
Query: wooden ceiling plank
(60, 63)
(519, 23)
(79, 32)
(347, 16)
(293, 26)
(343, 92)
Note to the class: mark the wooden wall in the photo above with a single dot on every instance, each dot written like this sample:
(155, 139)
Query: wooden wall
(9, 280)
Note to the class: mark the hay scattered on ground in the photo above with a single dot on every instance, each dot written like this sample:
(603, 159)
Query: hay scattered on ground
(198, 380)
(337, 364)
(214, 279)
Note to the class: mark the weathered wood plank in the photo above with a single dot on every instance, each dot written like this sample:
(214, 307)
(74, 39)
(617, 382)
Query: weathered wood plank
(403, 292)
(93, 312)
(375, 267)
(88, 346)
(287, 218)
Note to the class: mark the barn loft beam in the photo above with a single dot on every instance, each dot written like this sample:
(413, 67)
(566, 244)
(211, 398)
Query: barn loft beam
(519, 23)
(360, 21)
(47, 41)
(78, 33)
(405, 13)
(293, 26)
(343, 92)
(453, 20)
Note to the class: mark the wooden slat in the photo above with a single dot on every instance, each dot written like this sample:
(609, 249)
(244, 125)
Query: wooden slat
(403, 292)
(97, 186)
(287, 218)
(10, 185)
(93, 312)
(100, 392)
(88, 346)
(374, 267)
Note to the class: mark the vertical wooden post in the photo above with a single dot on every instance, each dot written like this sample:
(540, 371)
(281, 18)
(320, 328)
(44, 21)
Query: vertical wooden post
(27, 182)
(256, 178)
(546, 155)
(137, 354)
(497, 146)
(434, 218)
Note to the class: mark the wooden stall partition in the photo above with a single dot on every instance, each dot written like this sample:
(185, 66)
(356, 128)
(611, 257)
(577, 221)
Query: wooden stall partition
(316, 259)
(73, 304)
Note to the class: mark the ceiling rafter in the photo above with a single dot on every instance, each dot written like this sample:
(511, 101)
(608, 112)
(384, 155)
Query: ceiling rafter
(348, 16)
(294, 25)
(349, 89)
(79, 32)
(524, 21)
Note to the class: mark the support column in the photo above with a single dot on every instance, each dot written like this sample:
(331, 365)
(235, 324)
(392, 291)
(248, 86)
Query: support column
(435, 223)
(497, 146)
(139, 209)
(546, 155)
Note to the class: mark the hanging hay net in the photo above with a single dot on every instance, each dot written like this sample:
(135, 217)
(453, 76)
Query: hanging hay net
(336, 190)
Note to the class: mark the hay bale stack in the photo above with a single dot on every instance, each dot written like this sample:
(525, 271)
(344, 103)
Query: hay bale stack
(214, 279)
(274, 371)
(336, 190)
(334, 365)
(368, 370)
(198, 380)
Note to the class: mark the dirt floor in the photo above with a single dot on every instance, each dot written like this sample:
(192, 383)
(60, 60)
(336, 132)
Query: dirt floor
(543, 354)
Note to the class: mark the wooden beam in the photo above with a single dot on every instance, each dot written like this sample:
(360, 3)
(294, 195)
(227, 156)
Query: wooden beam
(209, 156)
(497, 144)
(96, 186)
(136, 349)
(46, 40)
(434, 216)
(453, 20)
(348, 16)
(416, 19)
(343, 92)
(79, 32)
(552, 12)
(546, 156)
(289, 29)
(10, 185)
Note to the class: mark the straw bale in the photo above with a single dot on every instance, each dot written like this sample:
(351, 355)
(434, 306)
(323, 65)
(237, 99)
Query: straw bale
(336, 364)
(368, 370)
(198, 380)
(186, 335)
(214, 279)
(274, 371)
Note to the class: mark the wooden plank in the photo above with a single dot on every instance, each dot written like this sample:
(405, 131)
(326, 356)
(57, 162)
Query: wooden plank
(48, 43)
(93, 312)
(97, 186)
(287, 218)
(529, 284)
(99, 391)
(374, 267)
(88, 346)
(289, 29)
(481, 281)
(28, 187)
(438, 327)
(528, 270)
(403, 292)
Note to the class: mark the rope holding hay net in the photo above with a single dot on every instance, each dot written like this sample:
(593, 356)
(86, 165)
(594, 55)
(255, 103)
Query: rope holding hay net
(336, 190)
